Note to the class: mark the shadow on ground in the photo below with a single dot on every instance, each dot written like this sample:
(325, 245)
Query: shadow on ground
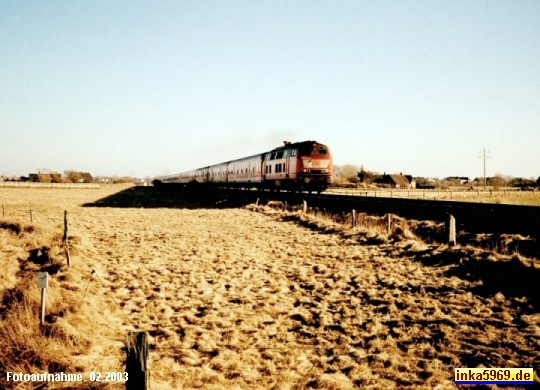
(172, 197)
(512, 278)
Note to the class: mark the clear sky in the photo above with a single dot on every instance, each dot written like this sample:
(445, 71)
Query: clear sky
(147, 88)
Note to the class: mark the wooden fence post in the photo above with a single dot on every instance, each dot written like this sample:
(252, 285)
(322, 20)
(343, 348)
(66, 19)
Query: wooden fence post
(65, 238)
(43, 281)
(451, 230)
(137, 361)
(389, 223)
(31, 217)
(3, 211)
(304, 206)
(353, 218)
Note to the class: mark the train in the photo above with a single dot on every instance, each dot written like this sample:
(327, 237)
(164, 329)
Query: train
(299, 166)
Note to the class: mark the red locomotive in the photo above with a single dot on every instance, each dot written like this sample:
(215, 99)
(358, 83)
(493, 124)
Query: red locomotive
(299, 166)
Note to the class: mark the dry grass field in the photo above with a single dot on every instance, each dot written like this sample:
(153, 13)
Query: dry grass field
(504, 196)
(253, 297)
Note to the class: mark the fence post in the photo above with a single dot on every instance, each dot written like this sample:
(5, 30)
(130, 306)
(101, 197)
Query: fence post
(137, 361)
(451, 230)
(304, 206)
(3, 211)
(43, 281)
(31, 217)
(353, 218)
(389, 223)
(65, 238)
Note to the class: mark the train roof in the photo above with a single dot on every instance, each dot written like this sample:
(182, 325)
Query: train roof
(288, 145)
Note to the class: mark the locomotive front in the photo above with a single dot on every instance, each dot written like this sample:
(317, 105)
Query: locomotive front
(314, 166)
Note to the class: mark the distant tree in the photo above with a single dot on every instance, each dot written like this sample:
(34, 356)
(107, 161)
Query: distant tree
(73, 176)
(122, 179)
(78, 177)
(47, 178)
(521, 182)
(349, 172)
(367, 177)
(345, 174)
(496, 181)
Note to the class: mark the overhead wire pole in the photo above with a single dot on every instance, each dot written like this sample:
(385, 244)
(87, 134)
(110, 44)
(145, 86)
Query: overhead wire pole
(484, 154)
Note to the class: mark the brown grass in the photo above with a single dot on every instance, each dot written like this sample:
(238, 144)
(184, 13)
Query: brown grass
(259, 297)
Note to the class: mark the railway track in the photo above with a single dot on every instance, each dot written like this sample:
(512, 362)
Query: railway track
(470, 216)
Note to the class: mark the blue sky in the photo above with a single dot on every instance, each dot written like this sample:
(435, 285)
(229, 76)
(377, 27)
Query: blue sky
(147, 88)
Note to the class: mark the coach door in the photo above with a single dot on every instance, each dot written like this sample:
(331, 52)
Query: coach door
(287, 168)
(290, 165)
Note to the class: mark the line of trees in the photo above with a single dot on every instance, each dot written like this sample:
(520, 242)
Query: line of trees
(69, 176)
(349, 174)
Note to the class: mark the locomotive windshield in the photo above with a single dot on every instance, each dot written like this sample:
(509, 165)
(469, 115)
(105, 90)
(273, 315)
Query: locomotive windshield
(305, 149)
(312, 150)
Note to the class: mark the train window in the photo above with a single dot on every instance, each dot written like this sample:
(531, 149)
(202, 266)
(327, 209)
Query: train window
(279, 154)
(322, 151)
(293, 152)
(305, 149)
(273, 156)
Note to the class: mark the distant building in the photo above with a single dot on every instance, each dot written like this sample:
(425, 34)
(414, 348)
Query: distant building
(396, 181)
(45, 177)
(458, 179)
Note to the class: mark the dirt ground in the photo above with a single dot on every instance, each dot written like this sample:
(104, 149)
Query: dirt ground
(254, 297)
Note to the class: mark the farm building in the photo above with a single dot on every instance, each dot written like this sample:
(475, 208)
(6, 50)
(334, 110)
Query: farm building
(396, 181)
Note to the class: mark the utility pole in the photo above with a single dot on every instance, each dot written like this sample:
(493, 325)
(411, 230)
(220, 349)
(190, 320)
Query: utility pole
(484, 154)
